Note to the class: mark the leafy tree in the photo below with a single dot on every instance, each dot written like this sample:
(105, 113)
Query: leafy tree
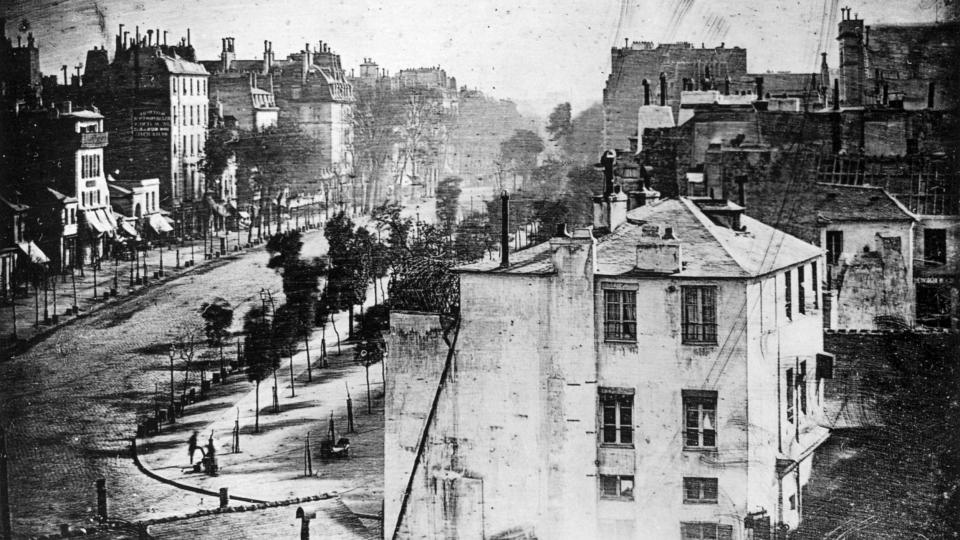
(448, 201)
(387, 218)
(277, 158)
(521, 151)
(582, 144)
(560, 123)
(260, 352)
(217, 316)
(218, 150)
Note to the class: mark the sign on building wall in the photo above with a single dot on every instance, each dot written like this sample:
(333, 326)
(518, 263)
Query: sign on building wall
(151, 124)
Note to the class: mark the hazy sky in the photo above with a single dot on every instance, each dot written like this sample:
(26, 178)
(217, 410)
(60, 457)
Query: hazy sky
(537, 52)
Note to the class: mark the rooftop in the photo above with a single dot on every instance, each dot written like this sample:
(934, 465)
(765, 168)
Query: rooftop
(857, 203)
(710, 250)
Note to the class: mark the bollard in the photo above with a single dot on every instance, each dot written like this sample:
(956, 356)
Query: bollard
(102, 499)
(224, 498)
(305, 514)
(350, 415)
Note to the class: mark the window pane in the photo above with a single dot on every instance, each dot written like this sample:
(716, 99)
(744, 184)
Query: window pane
(608, 486)
(629, 330)
(626, 435)
(691, 489)
(709, 531)
(626, 414)
(609, 415)
(609, 434)
(626, 486)
(693, 437)
(710, 489)
(693, 417)
(709, 437)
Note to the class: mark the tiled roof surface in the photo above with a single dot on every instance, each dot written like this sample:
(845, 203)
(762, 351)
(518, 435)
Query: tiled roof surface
(708, 250)
(183, 67)
(857, 203)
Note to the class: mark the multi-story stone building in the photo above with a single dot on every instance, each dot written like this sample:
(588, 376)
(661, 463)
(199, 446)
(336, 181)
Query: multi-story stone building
(64, 180)
(662, 380)
(235, 85)
(154, 97)
(313, 91)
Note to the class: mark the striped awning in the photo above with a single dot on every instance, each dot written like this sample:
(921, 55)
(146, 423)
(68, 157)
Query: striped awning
(127, 229)
(97, 222)
(158, 223)
(33, 252)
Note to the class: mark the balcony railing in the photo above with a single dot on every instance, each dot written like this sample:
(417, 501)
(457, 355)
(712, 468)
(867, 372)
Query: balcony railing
(95, 139)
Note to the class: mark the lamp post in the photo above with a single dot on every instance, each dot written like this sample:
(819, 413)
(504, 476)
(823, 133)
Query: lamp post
(160, 249)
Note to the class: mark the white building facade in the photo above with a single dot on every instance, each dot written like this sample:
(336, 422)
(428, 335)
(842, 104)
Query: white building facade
(664, 380)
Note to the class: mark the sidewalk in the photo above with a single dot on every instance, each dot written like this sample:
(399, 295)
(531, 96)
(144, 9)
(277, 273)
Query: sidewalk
(38, 313)
(271, 464)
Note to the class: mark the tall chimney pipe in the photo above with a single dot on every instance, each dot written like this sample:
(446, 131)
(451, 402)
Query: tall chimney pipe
(164, 38)
(931, 94)
(759, 88)
(646, 92)
(188, 37)
(836, 94)
(504, 224)
(663, 89)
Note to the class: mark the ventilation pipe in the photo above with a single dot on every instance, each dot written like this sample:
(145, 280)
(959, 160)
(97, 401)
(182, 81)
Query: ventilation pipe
(836, 94)
(646, 92)
(663, 89)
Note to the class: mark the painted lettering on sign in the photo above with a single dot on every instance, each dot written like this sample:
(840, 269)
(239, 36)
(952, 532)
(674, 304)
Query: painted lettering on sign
(151, 124)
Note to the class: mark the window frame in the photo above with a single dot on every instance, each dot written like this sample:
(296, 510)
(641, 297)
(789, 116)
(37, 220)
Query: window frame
(931, 236)
(791, 395)
(618, 479)
(703, 330)
(617, 330)
(701, 485)
(619, 401)
(720, 532)
(703, 400)
(788, 294)
(834, 242)
(801, 291)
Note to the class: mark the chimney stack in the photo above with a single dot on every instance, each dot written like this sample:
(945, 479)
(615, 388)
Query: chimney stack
(646, 92)
(759, 81)
(836, 94)
(663, 89)
(504, 233)
(931, 94)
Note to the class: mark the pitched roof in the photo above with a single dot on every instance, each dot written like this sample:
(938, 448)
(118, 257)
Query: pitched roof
(708, 250)
(182, 67)
(834, 202)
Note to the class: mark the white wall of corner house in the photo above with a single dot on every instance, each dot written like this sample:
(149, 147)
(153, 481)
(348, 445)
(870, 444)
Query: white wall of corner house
(521, 403)
(777, 343)
(659, 366)
(861, 234)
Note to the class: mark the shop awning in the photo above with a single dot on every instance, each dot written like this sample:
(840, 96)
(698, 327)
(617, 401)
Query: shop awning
(33, 252)
(127, 229)
(97, 222)
(107, 215)
(159, 224)
(218, 207)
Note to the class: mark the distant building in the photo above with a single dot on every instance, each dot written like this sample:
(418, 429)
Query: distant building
(663, 380)
(667, 70)
(64, 181)
(911, 65)
(13, 220)
(154, 97)
(20, 77)
(236, 87)
(313, 91)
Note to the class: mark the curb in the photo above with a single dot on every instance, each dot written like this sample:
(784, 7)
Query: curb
(147, 471)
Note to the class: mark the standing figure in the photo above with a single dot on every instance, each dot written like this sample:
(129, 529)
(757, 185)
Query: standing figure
(192, 445)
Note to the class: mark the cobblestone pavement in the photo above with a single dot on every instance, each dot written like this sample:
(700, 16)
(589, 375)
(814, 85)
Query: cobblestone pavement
(35, 310)
(71, 402)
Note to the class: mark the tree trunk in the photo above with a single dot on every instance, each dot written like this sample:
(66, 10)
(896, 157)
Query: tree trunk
(306, 343)
(256, 422)
(337, 332)
(369, 402)
(350, 323)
